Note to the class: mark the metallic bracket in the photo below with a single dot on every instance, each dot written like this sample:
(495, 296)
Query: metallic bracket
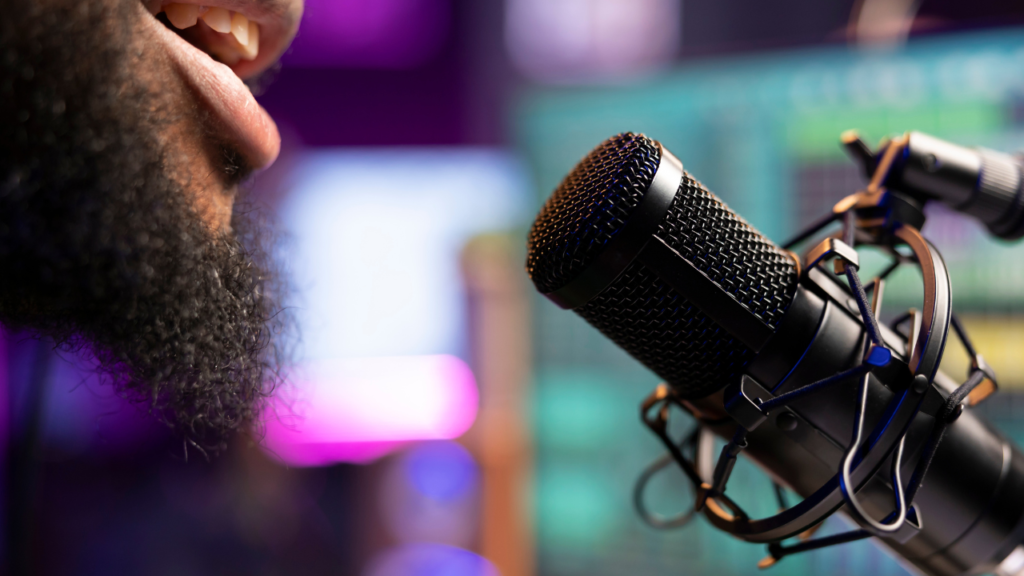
(743, 402)
(915, 330)
(987, 387)
(872, 195)
(833, 247)
(981, 392)
(910, 528)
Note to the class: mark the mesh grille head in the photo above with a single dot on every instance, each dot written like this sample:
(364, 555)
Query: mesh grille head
(658, 327)
(640, 312)
(731, 252)
(589, 207)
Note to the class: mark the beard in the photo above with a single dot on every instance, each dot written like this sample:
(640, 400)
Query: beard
(101, 249)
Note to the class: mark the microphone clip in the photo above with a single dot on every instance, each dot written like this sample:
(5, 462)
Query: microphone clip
(876, 217)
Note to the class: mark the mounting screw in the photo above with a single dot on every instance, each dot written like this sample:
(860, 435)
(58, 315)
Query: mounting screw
(878, 355)
(920, 383)
(743, 402)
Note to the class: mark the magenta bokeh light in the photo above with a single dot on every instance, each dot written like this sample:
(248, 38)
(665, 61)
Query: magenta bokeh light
(356, 410)
(428, 559)
(5, 394)
(369, 34)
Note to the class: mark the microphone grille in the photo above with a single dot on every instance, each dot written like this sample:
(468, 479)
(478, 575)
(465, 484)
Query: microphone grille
(639, 311)
(589, 207)
(732, 253)
(668, 334)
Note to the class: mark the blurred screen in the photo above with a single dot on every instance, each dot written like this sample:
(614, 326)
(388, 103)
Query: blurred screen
(373, 240)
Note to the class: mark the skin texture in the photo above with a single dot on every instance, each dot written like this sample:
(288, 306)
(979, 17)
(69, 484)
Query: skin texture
(211, 145)
(118, 231)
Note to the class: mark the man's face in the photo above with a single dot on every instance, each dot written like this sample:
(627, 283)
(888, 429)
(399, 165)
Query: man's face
(122, 144)
(179, 47)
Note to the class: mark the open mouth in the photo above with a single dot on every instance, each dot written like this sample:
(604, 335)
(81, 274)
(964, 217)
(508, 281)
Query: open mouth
(229, 36)
(214, 47)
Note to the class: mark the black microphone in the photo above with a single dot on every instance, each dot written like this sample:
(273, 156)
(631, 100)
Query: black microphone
(979, 182)
(770, 355)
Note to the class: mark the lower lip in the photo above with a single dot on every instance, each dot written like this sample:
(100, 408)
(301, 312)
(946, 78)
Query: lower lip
(245, 123)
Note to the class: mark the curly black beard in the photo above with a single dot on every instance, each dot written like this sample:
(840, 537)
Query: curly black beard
(100, 248)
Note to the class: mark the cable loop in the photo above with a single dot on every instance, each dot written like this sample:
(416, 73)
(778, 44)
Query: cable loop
(652, 519)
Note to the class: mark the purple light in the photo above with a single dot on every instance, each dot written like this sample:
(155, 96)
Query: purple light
(429, 560)
(356, 410)
(432, 494)
(376, 34)
(581, 41)
(5, 393)
(441, 471)
(85, 413)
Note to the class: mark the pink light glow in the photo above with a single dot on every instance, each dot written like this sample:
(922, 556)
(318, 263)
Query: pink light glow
(356, 410)
(5, 393)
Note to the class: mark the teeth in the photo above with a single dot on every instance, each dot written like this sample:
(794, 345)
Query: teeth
(240, 28)
(182, 15)
(246, 34)
(251, 48)
(227, 54)
(219, 19)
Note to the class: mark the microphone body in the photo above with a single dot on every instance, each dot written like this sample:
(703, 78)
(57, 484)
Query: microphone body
(971, 504)
(656, 262)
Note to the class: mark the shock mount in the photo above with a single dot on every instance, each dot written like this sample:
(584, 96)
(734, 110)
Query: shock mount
(875, 217)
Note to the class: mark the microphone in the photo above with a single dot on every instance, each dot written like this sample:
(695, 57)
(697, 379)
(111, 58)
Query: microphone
(776, 354)
(979, 182)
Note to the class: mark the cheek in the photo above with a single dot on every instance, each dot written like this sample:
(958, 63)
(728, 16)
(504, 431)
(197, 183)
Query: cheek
(190, 154)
